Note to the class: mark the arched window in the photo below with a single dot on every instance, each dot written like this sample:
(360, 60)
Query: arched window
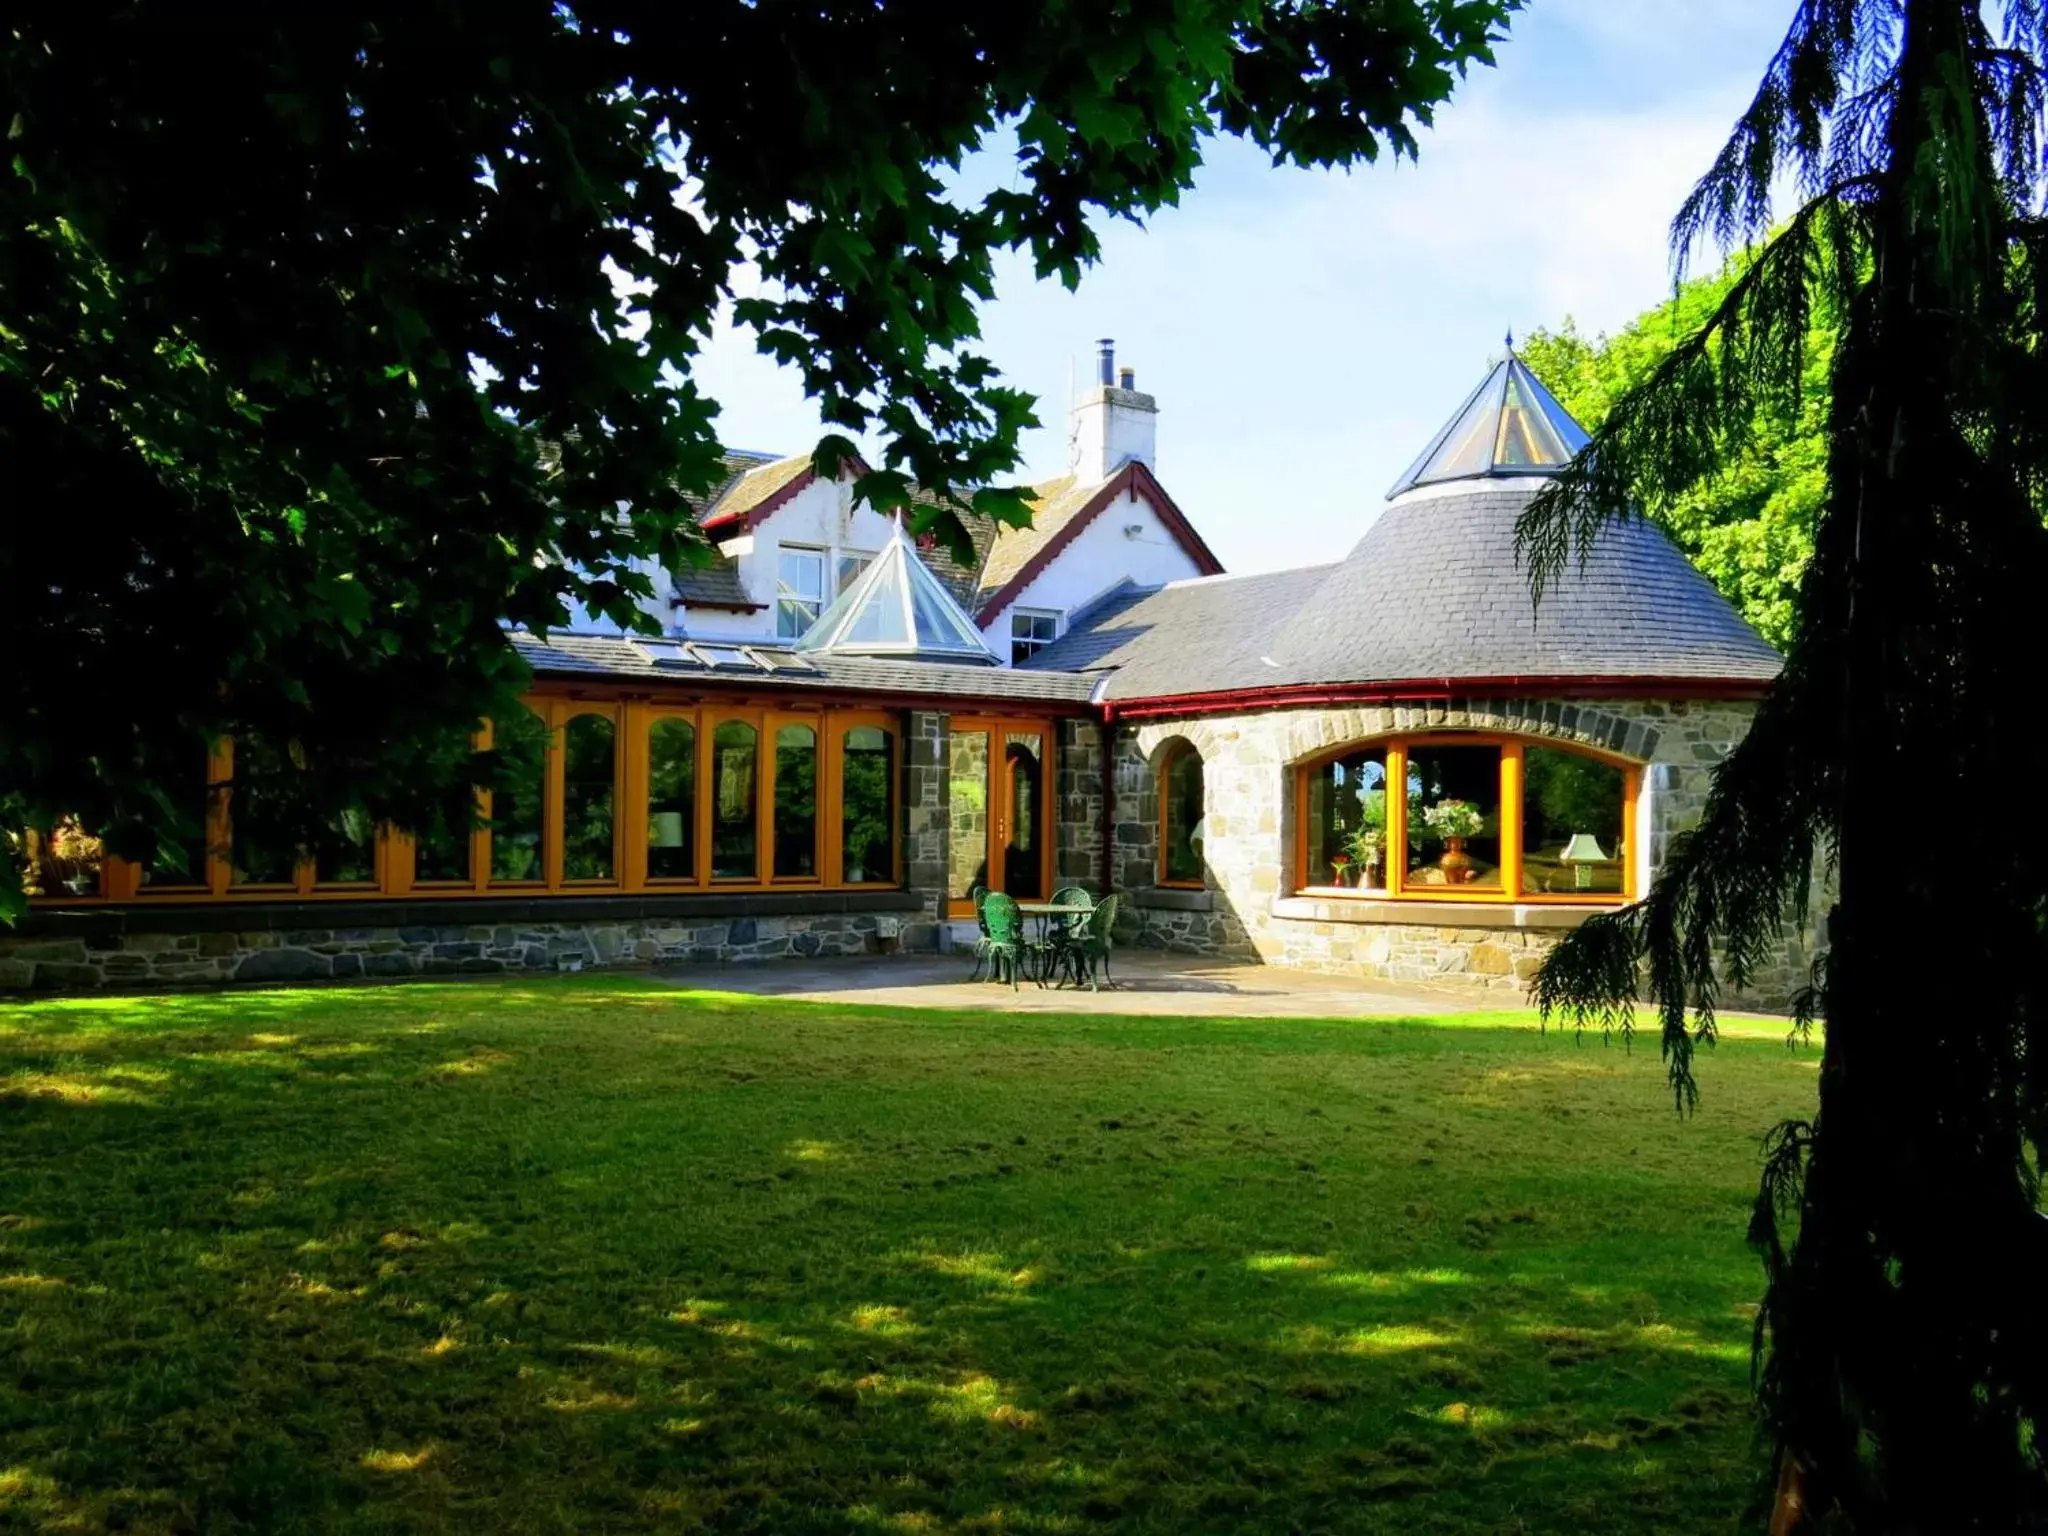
(1449, 817)
(518, 799)
(735, 770)
(1182, 816)
(867, 796)
(589, 767)
(672, 799)
(796, 803)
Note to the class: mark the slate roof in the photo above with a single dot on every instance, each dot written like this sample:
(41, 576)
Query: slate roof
(1434, 590)
(779, 667)
(1203, 636)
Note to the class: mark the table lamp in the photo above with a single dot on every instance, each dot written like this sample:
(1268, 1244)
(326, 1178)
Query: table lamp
(1582, 852)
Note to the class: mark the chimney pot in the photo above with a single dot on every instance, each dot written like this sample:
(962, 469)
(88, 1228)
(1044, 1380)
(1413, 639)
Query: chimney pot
(1127, 379)
(1107, 363)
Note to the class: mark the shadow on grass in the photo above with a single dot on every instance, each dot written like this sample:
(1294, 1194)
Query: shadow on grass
(589, 1254)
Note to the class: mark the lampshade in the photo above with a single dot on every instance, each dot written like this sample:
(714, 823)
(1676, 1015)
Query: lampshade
(668, 829)
(1584, 848)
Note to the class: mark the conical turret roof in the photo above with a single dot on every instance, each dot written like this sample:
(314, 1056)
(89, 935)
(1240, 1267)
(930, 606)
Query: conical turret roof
(1509, 425)
(897, 607)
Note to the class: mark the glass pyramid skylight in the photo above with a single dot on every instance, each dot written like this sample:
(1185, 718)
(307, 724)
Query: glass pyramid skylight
(1509, 425)
(897, 607)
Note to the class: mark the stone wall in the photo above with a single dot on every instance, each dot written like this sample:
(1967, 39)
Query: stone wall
(1077, 804)
(100, 957)
(1248, 907)
(926, 780)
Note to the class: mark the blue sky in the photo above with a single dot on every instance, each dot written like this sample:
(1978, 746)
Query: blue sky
(1305, 332)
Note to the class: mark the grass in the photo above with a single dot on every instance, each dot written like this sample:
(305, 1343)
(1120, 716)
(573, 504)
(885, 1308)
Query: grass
(584, 1254)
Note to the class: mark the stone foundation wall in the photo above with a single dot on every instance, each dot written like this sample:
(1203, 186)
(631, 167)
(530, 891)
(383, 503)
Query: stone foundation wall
(103, 959)
(1248, 907)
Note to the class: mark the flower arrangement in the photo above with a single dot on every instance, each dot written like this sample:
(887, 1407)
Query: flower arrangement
(1339, 862)
(1454, 818)
(75, 856)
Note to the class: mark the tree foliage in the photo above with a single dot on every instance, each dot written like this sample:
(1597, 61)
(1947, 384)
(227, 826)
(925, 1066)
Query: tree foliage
(289, 299)
(1749, 524)
(1902, 1349)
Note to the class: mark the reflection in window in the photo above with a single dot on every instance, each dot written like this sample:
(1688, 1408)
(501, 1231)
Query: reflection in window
(733, 848)
(1454, 817)
(588, 760)
(1346, 813)
(180, 864)
(1182, 831)
(517, 798)
(1572, 809)
(1023, 866)
(441, 851)
(263, 852)
(867, 805)
(967, 821)
(796, 803)
(799, 590)
(348, 852)
(671, 800)
(851, 563)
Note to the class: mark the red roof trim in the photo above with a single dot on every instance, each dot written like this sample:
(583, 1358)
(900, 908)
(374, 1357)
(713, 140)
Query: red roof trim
(1432, 690)
(731, 525)
(1140, 481)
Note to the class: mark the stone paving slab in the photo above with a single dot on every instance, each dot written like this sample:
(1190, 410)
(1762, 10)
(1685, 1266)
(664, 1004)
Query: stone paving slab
(1148, 983)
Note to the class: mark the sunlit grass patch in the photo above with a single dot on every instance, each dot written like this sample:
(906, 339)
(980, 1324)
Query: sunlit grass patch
(590, 1253)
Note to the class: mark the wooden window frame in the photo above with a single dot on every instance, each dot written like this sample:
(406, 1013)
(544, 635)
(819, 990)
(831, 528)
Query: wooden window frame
(633, 718)
(1175, 750)
(832, 812)
(1509, 892)
(554, 842)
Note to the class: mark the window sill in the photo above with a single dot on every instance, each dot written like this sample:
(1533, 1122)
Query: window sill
(1320, 907)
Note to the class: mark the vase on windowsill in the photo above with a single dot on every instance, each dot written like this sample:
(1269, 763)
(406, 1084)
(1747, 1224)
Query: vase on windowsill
(1456, 862)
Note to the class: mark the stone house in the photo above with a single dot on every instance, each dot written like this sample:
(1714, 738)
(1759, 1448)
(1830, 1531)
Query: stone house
(1394, 764)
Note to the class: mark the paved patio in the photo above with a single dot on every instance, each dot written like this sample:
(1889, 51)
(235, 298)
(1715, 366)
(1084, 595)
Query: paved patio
(1147, 982)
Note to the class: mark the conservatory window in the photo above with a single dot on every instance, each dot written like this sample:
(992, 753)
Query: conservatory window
(518, 800)
(441, 852)
(1181, 826)
(867, 805)
(672, 799)
(735, 792)
(262, 852)
(589, 770)
(796, 803)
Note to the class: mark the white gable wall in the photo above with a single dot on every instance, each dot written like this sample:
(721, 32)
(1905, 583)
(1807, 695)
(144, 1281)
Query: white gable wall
(821, 516)
(1126, 541)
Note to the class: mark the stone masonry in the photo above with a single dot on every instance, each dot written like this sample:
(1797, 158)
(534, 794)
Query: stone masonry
(48, 963)
(1248, 908)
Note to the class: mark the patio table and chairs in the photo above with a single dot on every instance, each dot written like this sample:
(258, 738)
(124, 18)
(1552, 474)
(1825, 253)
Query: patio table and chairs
(1069, 938)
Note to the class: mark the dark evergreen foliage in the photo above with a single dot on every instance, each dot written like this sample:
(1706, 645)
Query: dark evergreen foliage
(289, 295)
(1903, 1362)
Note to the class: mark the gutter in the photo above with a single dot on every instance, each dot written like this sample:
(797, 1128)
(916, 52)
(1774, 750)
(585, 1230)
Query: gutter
(1433, 690)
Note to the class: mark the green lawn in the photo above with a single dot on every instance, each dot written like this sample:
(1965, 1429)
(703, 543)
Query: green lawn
(584, 1254)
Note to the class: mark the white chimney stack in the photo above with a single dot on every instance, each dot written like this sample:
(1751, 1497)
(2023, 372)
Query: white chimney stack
(1111, 423)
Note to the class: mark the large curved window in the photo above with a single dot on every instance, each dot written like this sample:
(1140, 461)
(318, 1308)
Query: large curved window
(589, 768)
(672, 800)
(1464, 818)
(796, 803)
(1181, 827)
(867, 797)
(735, 846)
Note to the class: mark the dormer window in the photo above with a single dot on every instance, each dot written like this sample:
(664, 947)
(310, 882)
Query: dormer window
(799, 590)
(1031, 631)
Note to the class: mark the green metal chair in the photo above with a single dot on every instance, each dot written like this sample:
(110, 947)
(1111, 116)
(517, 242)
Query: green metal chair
(1005, 940)
(978, 895)
(1090, 949)
(1060, 933)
